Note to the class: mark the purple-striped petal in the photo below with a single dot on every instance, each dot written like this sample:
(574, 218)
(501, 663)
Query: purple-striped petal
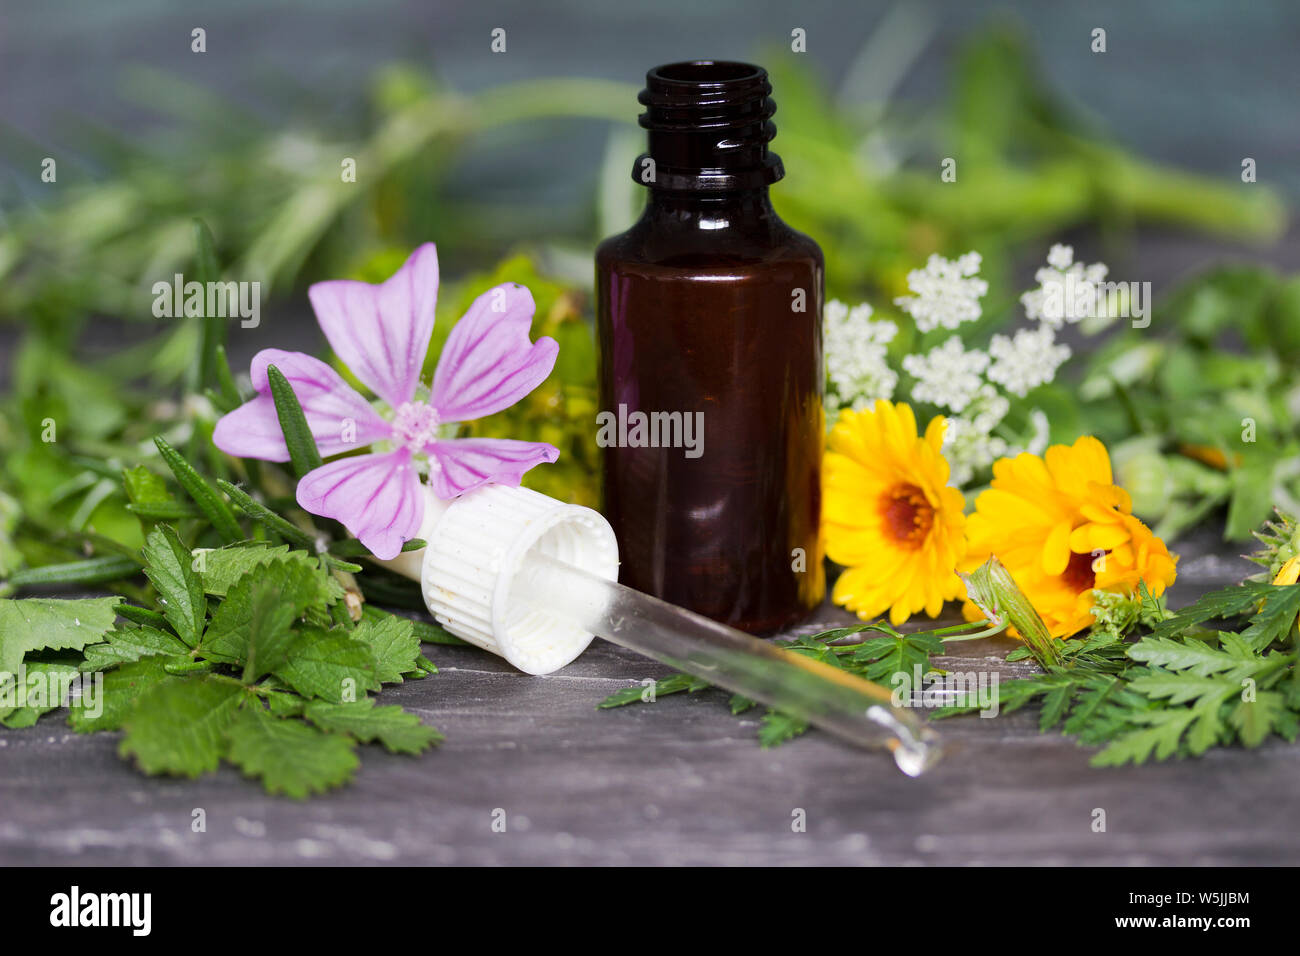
(339, 418)
(376, 497)
(381, 332)
(459, 465)
(488, 362)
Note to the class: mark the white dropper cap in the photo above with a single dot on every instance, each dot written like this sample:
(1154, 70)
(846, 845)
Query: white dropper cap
(479, 544)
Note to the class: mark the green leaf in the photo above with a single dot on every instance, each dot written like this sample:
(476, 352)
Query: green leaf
(111, 567)
(303, 453)
(1195, 657)
(47, 686)
(777, 728)
(398, 730)
(1217, 605)
(1255, 719)
(214, 326)
(393, 644)
(290, 757)
(740, 703)
(1275, 620)
(122, 689)
(352, 548)
(329, 665)
(131, 644)
(266, 517)
(222, 567)
(253, 624)
(425, 631)
(1162, 736)
(203, 494)
(227, 390)
(641, 693)
(143, 487)
(170, 566)
(142, 616)
(178, 727)
(883, 657)
(34, 624)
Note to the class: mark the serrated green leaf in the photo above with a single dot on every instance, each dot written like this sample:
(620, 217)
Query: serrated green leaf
(777, 728)
(329, 665)
(178, 727)
(393, 644)
(33, 624)
(740, 703)
(130, 644)
(169, 565)
(1190, 655)
(222, 567)
(46, 688)
(289, 756)
(253, 625)
(122, 689)
(1255, 719)
(398, 730)
(1162, 735)
(1217, 605)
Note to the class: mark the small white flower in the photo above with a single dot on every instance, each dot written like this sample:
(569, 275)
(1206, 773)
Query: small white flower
(947, 292)
(969, 449)
(987, 409)
(857, 364)
(1060, 257)
(1026, 361)
(1067, 290)
(948, 375)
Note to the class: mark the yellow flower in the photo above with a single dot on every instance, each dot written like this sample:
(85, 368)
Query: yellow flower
(889, 516)
(1062, 528)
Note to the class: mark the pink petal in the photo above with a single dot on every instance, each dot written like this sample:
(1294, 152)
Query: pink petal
(377, 497)
(340, 419)
(461, 464)
(381, 332)
(488, 363)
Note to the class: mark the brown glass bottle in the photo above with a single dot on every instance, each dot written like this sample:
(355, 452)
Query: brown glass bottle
(711, 304)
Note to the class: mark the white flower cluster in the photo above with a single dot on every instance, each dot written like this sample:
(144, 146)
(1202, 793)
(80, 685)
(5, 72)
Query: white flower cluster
(948, 376)
(1067, 290)
(947, 291)
(970, 385)
(857, 366)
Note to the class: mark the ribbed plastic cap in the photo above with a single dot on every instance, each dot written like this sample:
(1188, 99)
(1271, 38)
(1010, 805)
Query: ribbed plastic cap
(480, 543)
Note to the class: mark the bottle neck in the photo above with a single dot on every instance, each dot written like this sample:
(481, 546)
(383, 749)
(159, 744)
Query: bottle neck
(708, 124)
(711, 213)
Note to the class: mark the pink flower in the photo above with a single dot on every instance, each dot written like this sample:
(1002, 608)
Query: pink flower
(382, 332)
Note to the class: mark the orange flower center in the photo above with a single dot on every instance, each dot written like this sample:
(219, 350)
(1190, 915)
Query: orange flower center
(1078, 575)
(906, 514)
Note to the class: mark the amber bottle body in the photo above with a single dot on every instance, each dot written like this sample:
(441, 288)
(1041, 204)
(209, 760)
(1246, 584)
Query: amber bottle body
(710, 306)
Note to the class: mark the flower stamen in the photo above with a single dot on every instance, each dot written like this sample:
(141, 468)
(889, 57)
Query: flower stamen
(907, 514)
(415, 425)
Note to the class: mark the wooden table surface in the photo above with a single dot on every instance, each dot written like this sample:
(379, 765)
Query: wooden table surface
(680, 781)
